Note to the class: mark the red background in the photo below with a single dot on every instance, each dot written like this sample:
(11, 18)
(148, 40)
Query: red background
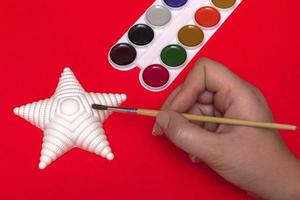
(260, 42)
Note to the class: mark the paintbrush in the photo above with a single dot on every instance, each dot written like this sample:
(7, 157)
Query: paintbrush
(201, 118)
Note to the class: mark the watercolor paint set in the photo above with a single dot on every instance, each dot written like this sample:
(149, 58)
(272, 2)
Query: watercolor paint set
(166, 38)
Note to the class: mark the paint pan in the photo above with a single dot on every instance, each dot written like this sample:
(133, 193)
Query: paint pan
(166, 38)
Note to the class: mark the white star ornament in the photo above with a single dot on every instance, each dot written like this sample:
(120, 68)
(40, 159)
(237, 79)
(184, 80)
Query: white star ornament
(68, 120)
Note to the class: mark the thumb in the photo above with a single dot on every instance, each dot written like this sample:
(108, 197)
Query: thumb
(187, 136)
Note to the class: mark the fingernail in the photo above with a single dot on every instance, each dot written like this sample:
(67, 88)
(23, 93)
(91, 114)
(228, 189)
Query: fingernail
(194, 159)
(156, 131)
(162, 121)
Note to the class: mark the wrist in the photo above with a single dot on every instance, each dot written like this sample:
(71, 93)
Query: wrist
(289, 183)
(280, 182)
(294, 190)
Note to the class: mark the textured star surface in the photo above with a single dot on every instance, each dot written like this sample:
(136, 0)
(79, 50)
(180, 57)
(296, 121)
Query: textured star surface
(68, 120)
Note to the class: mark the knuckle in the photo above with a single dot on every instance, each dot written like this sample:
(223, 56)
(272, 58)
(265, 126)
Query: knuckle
(179, 133)
(202, 61)
(254, 91)
(257, 93)
(253, 88)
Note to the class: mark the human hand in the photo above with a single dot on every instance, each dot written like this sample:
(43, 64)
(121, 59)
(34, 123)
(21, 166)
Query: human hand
(253, 159)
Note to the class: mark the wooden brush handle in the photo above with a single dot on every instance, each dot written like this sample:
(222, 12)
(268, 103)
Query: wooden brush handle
(228, 121)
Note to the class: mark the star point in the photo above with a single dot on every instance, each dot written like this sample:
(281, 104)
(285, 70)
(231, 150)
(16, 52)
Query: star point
(68, 120)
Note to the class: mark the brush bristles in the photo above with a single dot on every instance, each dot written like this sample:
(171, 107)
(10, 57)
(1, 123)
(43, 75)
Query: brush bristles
(113, 108)
(99, 107)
